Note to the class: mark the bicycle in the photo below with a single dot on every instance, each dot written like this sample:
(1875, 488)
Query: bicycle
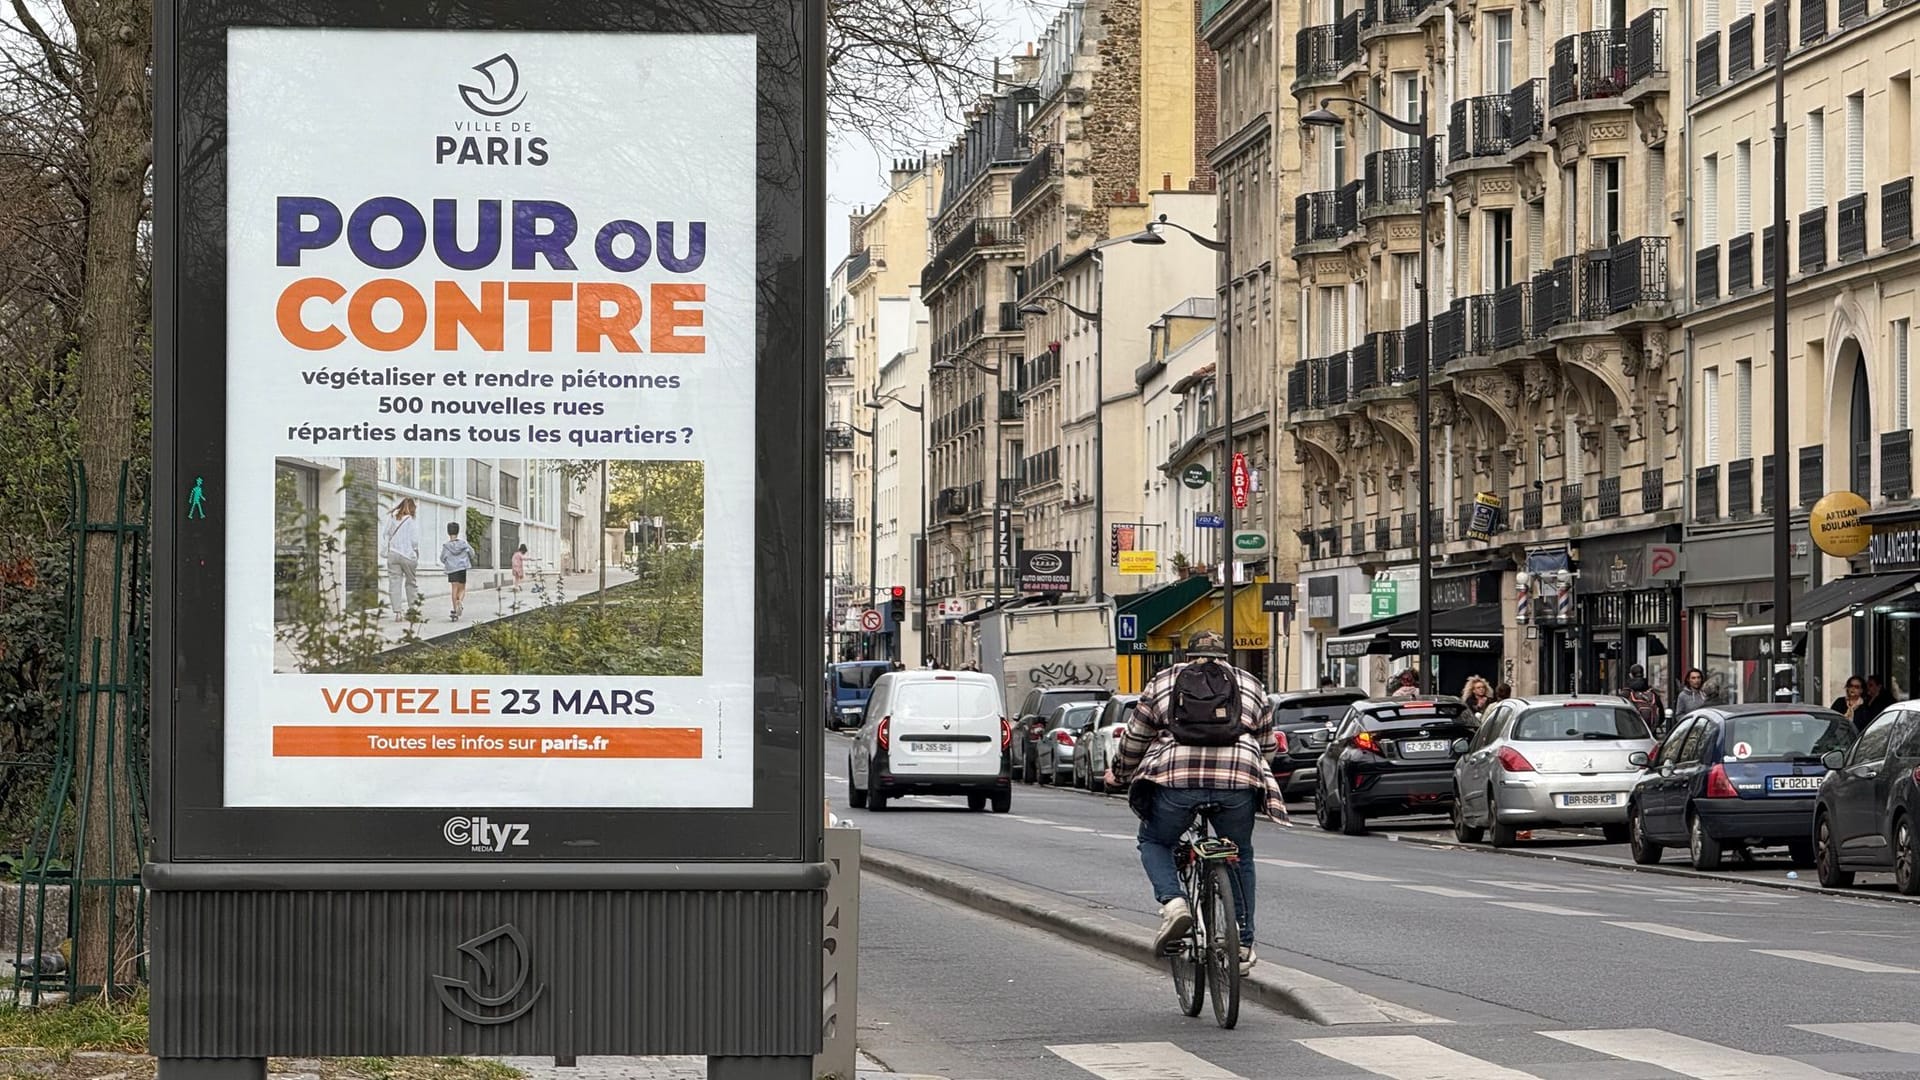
(1208, 958)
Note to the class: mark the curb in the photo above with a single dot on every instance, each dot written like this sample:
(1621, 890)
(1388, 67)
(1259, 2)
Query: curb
(1606, 862)
(1295, 993)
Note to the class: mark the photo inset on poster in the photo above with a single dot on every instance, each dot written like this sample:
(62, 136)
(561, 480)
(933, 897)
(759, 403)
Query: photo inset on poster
(488, 566)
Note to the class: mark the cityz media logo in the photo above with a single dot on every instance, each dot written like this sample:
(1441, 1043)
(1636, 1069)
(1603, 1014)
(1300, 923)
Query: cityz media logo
(502, 94)
(479, 834)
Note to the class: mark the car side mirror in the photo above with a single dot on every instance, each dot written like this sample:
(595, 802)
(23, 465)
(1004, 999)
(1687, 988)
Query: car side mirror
(1833, 759)
(1460, 746)
(1639, 759)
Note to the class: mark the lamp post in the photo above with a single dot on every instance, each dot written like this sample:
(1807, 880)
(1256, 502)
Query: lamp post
(1325, 117)
(920, 577)
(1222, 246)
(1095, 564)
(1782, 513)
(998, 463)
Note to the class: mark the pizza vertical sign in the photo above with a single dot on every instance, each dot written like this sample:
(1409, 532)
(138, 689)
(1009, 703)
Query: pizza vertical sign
(477, 319)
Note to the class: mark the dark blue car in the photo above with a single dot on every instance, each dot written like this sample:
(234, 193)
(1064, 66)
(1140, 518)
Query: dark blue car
(848, 687)
(1735, 777)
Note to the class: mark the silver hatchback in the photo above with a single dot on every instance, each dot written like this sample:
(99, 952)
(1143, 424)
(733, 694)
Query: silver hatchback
(1560, 760)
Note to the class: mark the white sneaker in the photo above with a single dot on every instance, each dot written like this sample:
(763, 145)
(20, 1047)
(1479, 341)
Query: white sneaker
(1176, 919)
(1248, 958)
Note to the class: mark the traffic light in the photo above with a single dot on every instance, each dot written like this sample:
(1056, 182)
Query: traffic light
(897, 604)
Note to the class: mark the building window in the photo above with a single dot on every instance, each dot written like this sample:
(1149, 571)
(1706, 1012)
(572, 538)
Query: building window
(1536, 236)
(1499, 73)
(1743, 188)
(1499, 249)
(1333, 320)
(1606, 201)
(1710, 416)
(509, 490)
(1816, 150)
(479, 480)
(1710, 200)
(1743, 404)
(1856, 144)
(1406, 274)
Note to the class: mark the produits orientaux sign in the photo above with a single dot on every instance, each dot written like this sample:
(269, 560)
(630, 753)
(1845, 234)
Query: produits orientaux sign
(1045, 571)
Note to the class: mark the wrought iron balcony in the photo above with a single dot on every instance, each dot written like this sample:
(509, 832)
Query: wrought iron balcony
(1589, 66)
(1316, 217)
(1296, 388)
(1653, 490)
(839, 509)
(1382, 534)
(1896, 212)
(1896, 463)
(974, 235)
(1357, 538)
(1409, 530)
(1335, 378)
(839, 367)
(1389, 12)
(1402, 352)
(1851, 226)
(1044, 168)
(1526, 112)
(1473, 317)
(1647, 46)
(1813, 240)
(1010, 316)
(1608, 505)
(1813, 21)
(1572, 504)
(1036, 274)
(1812, 475)
(1596, 285)
(1706, 493)
(1478, 128)
(1446, 337)
(1706, 273)
(1346, 209)
(1740, 47)
(1551, 289)
(1533, 510)
(1740, 264)
(1010, 405)
(1740, 488)
(1316, 57)
(857, 264)
(1393, 177)
(1346, 39)
(1364, 361)
(839, 438)
(1639, 273)
(1512, 308)
(1706, 64)
(1317, 382)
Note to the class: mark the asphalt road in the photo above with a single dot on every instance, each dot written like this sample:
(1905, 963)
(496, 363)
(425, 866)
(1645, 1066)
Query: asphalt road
(1545, 967)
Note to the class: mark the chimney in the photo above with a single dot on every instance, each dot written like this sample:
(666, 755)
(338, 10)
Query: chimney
(1166, 181)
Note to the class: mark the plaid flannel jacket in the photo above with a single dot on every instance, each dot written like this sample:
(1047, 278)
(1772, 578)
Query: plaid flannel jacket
(1148, 753)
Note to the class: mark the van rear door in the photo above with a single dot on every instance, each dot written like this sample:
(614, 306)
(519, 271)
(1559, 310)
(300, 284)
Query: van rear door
(944, 726)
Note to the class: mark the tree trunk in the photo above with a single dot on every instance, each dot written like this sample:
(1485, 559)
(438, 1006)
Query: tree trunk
(115, 40)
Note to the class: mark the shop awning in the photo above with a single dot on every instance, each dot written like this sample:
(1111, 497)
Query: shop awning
(1152, 608)
(1250, 624)
(1475, 628)
(1821, 604)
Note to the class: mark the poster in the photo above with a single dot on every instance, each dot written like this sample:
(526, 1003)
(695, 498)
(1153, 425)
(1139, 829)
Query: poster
(490, 400)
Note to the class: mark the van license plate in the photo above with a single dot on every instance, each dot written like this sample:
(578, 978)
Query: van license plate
(933, 748)
(1794, 783)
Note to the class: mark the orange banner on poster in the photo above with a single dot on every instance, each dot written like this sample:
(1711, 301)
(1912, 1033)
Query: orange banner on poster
(399, 741)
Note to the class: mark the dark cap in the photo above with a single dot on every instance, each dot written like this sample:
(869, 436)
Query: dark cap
(1207, 643)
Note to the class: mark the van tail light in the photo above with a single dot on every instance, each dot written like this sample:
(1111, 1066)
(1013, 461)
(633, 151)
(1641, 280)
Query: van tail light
(883, 733)
(1006, 733)
(1514, 761)
(1063, 738)
(1718, 786)
(1279, 742)
(1366, 741)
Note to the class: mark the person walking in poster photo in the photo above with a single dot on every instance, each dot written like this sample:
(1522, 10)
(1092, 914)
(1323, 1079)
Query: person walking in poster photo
(403, 558)
(456, 558)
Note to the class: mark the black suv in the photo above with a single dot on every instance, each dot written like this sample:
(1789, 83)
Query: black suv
(1390, 756)
(1306, 718)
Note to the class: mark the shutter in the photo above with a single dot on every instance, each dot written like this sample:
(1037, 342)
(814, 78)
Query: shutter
(1900, 414)
(1408, 273)
(1356, 313)
(1656, 194)
(1536, 236)
(1569, 215)
(1710, 16)
(1856, 149)
(1610, 441)
(1536, 41)
(1336, 328)
(1305, 297)
(1574, 468)
(1710, 200)
(1710, 417)
(1743, 403)
(1501, 480)
(1816, 160)
(1742, 8)
(1743, 188)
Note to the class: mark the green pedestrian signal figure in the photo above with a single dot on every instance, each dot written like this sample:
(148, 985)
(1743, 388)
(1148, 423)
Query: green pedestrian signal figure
(197, 501)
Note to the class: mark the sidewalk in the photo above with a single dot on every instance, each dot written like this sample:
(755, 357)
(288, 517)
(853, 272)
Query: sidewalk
(662, 1068)
(485, 603)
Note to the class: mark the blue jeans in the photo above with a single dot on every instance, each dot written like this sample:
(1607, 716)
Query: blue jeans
(1172, 810)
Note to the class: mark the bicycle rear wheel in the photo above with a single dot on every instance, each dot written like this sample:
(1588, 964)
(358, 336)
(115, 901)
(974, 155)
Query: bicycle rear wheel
(1223, 946)
(1189, 959)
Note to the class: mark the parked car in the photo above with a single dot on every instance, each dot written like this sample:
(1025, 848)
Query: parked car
(848, 685)
(1055, 751)
(1099, 741)
(1867, 815)
(1305, 719)
(1735, 776)
(1556, 760)
(1030, 722)
(932, 733)
(1389, 756)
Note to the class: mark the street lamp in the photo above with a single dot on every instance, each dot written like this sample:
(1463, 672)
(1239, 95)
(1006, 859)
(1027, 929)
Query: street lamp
(1417, 128)
(1038, 307)
(999, 465)
(1223, 246)
(919, 410)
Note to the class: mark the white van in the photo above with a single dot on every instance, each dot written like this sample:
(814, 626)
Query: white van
(932, 733)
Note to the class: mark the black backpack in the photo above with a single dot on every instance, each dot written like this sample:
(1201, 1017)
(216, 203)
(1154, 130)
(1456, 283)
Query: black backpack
(1205, 710)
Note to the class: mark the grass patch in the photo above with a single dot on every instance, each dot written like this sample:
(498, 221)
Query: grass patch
(90, 1025)
(421, 1069)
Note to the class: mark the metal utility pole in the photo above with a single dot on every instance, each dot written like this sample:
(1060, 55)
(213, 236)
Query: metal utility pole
(1782, 512)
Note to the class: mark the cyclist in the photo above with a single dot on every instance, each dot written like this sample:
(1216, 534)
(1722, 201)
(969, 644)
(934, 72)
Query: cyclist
(1198, 739)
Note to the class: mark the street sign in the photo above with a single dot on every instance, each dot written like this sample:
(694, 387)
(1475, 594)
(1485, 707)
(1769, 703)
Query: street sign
(1250, 542)
(1277, 598)
(1209, 521)
(1385, 593)
(1127, 627)
(871, 621)
(1139, 562)
(1045, 571)
(475, 283)
(1242, 481)
(1196, 476)
(1003, 538)
(1486, 516)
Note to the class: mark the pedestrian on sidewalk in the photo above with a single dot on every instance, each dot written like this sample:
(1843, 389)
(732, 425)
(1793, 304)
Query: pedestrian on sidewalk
(1693, 693)
(1852, 703)
(1645, 700)
(1477, 694)
(1407, 684)
(1197, 740)
(519, 565)
(456, 558)
(403, 559)
(1878, 698)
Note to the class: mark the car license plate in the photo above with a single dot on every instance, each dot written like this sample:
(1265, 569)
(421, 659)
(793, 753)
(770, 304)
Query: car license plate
(1599, 798)
(1794, 783)
(1425, 746)
(933, 748)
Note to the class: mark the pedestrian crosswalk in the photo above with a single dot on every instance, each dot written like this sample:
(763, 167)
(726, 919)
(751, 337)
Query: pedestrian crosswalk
(1626, 1052)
